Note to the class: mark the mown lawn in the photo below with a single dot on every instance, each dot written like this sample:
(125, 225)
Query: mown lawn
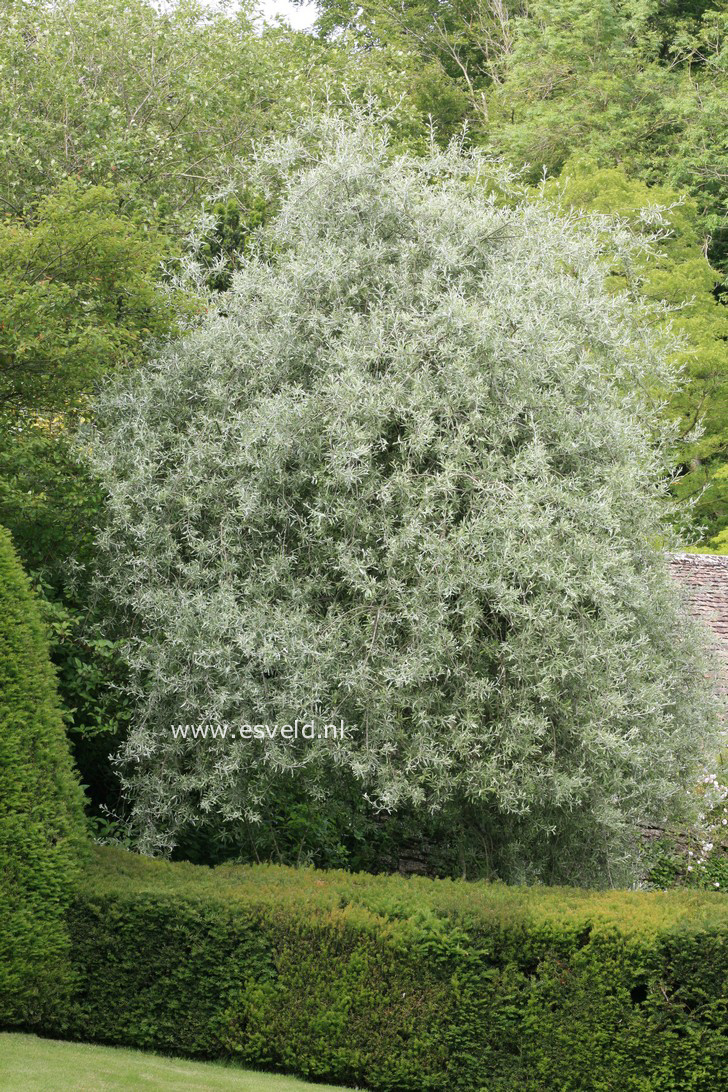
(30, 1064)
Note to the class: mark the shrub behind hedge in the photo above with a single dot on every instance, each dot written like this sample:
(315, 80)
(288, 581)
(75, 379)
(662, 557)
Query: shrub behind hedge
(41, 815)
(403, 984)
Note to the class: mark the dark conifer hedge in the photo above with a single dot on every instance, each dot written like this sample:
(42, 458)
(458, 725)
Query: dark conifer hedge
(41, 814)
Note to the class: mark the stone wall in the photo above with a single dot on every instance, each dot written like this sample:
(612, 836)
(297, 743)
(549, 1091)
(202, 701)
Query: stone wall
(704, 577)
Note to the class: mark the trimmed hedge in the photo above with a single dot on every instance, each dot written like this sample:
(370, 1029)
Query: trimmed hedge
(402, 984)
(41, 811)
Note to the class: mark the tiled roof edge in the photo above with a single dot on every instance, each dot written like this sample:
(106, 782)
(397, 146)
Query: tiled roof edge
(720, 560)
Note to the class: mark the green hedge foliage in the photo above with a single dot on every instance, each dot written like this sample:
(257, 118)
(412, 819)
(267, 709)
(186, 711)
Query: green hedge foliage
(41, 814)
(402, 984)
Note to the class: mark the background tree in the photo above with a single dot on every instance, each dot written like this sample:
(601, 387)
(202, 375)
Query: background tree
(628, 85)
(80, 296)
(163, 101)
(407, 475)
(676, 275)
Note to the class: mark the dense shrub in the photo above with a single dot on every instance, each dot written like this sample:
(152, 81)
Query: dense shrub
(41, 816)
(410, 474)
(402, 984)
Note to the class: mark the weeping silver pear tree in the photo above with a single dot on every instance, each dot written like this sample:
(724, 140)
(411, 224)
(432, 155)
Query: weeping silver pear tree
(409, 475)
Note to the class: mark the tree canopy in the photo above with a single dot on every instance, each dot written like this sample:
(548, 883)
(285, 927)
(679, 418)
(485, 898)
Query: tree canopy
(79, 298)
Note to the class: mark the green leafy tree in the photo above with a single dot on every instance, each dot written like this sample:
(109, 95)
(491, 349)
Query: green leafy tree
(152, 98)
(409, 474)
(626, 84)
(52, 505)
(162, 100)
(41, 815)
(676, 275)
(79, 295)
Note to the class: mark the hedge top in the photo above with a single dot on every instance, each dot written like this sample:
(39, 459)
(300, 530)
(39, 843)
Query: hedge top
(417, 902)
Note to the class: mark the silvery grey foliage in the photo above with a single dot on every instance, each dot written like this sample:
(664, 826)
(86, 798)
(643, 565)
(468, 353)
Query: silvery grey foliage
(411, 474)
